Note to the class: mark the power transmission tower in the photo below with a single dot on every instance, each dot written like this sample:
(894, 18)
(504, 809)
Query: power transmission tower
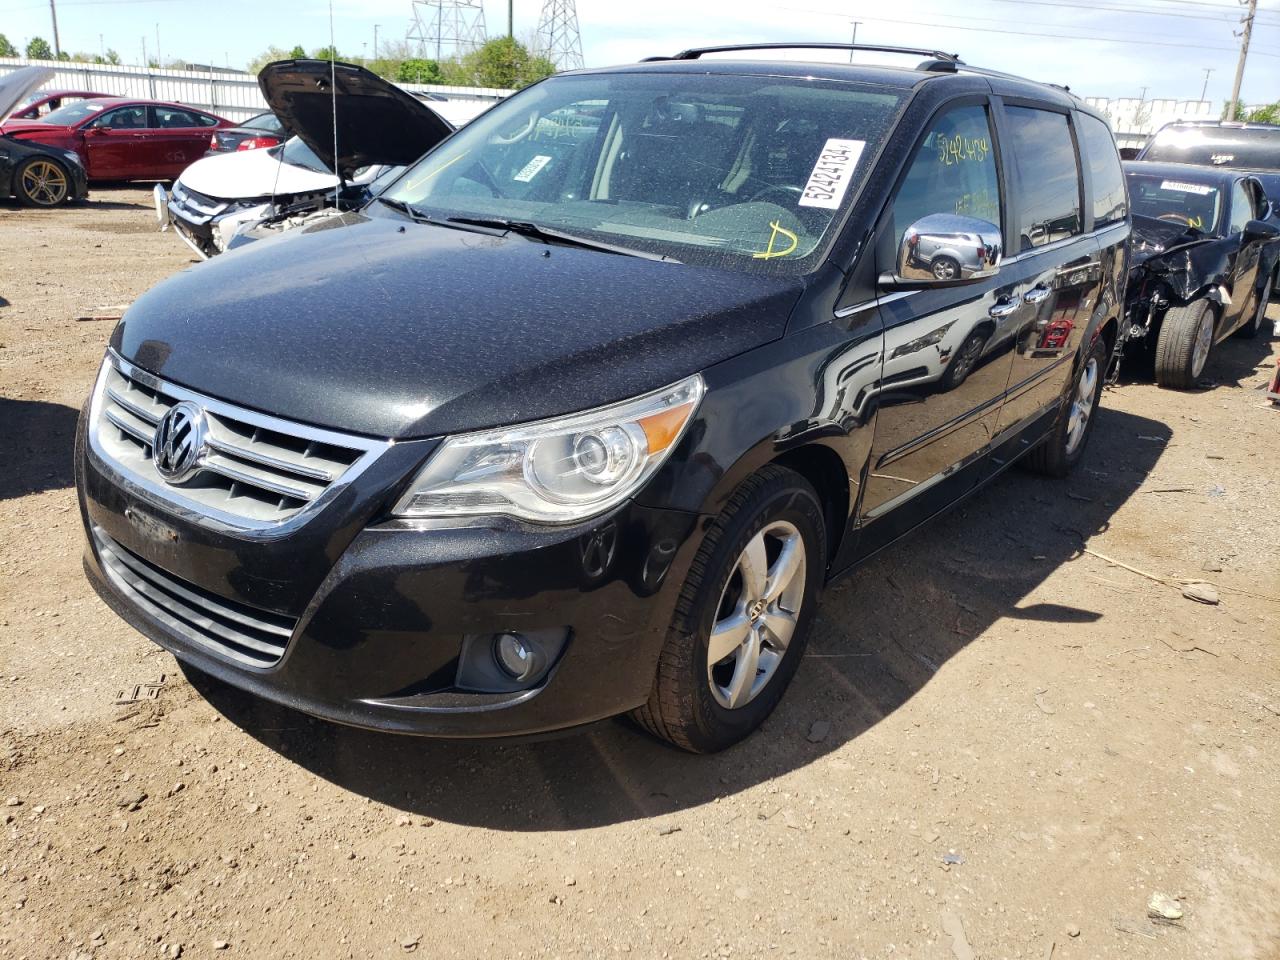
(559, 39)
(441, 29)
(1244, 53)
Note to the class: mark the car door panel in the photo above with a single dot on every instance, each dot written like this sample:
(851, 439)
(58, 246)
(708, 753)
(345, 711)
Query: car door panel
(114, 141)
(1062, 286)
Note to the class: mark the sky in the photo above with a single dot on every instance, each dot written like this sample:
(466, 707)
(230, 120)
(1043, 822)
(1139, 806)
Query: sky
(1104, 48)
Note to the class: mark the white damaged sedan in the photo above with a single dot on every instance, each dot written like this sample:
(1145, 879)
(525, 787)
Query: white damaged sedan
(378, 128)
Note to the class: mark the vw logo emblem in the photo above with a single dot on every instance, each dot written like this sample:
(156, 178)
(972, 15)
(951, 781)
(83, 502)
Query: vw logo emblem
(178, 444)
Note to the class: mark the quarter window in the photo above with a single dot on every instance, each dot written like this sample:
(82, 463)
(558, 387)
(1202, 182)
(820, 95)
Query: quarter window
(954, 171)
(1110, 202)
(1047, 181)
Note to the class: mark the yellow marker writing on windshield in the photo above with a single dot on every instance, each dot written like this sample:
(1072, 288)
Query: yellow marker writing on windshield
(769, 253)
(438, 170)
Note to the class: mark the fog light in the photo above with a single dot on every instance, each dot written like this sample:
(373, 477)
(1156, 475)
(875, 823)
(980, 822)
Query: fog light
(517, 658)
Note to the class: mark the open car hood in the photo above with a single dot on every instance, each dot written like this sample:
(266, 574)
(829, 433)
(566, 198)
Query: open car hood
(15, 86)
(376, 122)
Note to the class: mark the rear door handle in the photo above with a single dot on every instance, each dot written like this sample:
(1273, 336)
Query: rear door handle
(1003, 307)
(1036, 294)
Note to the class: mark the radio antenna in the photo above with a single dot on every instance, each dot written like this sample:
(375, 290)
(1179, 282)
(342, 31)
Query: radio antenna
(333, 92)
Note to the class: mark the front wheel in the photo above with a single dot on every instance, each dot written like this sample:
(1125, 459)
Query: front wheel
(743, 616)
(1182, 349)
(41, 182)
(1059, 453)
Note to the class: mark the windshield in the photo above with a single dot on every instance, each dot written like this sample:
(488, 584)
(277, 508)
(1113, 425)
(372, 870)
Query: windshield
(1252, 148)
(264, 121)
(73, 113)
(1177, 201)
(296, 152)
(733, 171)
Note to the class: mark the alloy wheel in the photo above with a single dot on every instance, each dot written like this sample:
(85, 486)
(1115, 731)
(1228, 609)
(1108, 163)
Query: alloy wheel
(1204, 342)
(757, 615)
(1082, 403)
(45, 183)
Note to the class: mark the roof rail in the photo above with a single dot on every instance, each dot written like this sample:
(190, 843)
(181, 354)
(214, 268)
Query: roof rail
(937, 55)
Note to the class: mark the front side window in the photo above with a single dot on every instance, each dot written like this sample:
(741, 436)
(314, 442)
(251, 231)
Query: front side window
(1110, 202)
(742, 172)
(1175, 200)
(953, 171)
(126, 118)
(1047, 177)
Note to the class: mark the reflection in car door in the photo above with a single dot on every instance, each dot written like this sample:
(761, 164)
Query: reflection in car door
(947, 348)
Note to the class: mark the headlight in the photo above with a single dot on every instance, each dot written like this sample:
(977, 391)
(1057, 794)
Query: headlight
(555, 471)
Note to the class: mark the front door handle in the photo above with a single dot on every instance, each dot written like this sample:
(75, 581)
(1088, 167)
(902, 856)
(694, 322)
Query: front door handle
(1003, 308)
(1036, 294)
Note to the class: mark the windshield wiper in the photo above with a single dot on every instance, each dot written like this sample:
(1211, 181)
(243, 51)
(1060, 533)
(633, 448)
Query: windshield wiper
(533, 231)
(406, 208)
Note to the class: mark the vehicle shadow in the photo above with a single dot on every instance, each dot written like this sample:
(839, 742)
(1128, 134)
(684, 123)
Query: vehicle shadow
(882, 635)
(36, 439)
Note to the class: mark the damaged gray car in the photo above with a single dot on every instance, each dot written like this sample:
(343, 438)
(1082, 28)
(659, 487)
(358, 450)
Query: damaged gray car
(1198, 271)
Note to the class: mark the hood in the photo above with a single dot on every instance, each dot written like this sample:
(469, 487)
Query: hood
(370, 324)
(250, 174)
(16, 86)
(1152, 237)
(376, 122)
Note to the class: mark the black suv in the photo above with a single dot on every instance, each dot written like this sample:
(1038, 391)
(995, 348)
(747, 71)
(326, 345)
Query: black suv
(581, 414)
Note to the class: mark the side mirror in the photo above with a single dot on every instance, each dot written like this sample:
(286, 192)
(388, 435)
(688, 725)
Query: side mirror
(943, 249)
(1256, 230)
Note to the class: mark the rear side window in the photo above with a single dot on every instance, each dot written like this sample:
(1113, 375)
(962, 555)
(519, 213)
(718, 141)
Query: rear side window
(1047, 184)
(954, 171)
(1110, 202)
(171, 118)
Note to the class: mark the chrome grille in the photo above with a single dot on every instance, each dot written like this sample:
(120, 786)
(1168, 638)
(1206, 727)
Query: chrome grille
(250, 636)
(255, 471)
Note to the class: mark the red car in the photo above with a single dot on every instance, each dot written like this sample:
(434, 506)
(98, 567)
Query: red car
(44, 101)
(120, 139)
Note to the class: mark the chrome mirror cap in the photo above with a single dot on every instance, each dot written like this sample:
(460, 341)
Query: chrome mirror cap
(944, 248)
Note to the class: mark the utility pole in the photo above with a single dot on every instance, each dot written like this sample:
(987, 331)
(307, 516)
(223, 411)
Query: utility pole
(511, 19)
(57, 47)
(1244, 54)
(159, 63)
(1205, 88)
(144, 50)
(856, 24)
(375, 40)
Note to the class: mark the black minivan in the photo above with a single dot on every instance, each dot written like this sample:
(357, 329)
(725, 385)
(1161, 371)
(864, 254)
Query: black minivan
(580, 415)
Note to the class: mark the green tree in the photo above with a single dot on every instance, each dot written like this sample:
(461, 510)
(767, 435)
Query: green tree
(505, 62)
(298, 53)
(7, 49)
(326, 53)
(416, 70)
(112, 56)
(39, 49)
(269, 55)
(1270, 113)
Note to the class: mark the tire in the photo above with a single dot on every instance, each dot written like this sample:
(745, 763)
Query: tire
(41, 182)
(945, 268)
(1058, 454)
(1178, 361)
(1259, 318)
(686, 706)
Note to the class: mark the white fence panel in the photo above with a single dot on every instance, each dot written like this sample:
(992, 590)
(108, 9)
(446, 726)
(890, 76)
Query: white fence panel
(227, 93)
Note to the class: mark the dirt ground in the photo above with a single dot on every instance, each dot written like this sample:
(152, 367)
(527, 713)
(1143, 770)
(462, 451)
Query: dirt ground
(1001, 743)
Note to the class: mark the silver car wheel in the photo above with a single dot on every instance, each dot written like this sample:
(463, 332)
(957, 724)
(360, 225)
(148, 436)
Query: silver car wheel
(1082, 405)
(757, 615)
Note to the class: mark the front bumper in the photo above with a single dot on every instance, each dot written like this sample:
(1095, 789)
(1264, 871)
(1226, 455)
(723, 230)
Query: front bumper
(380, 608)
(205, 224)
